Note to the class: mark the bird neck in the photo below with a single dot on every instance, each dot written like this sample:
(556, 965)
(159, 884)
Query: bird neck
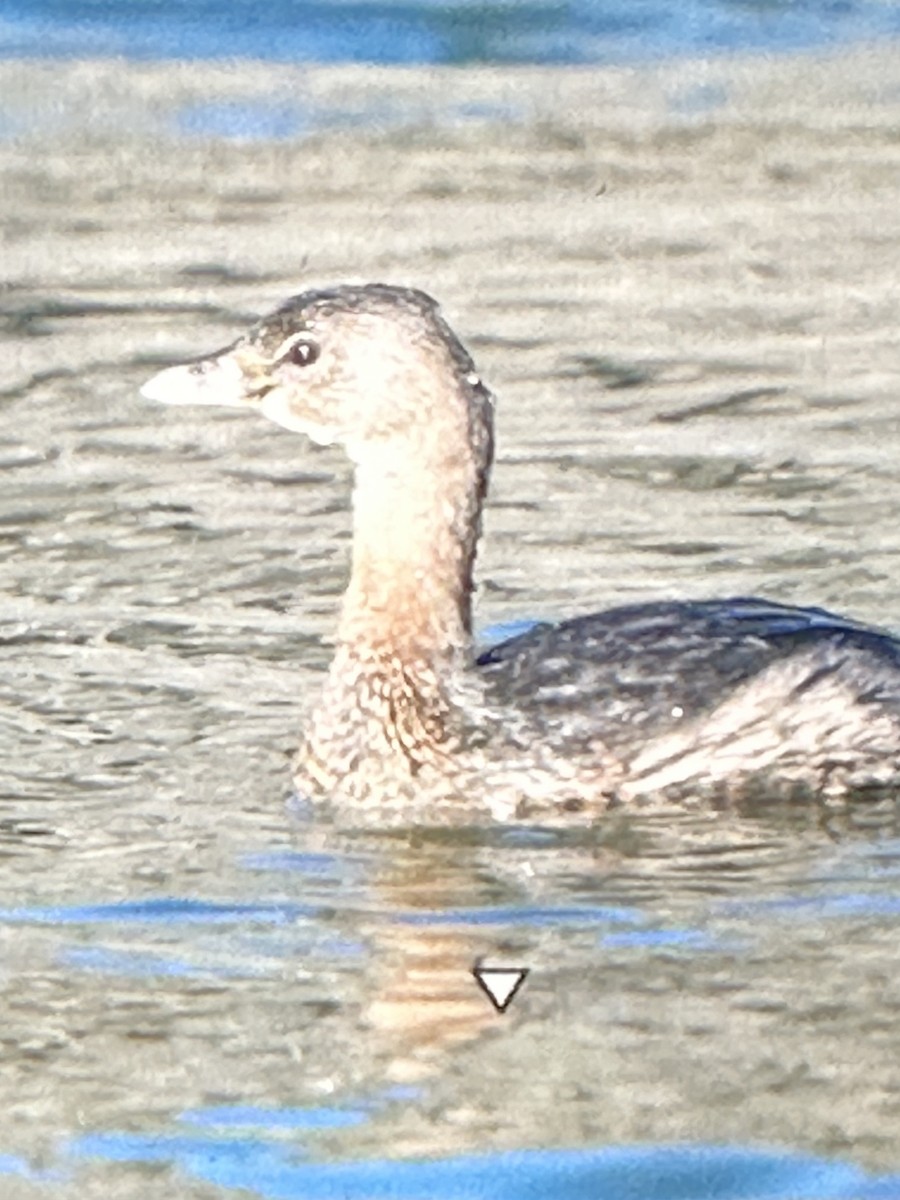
(396, 698)
(416, 520)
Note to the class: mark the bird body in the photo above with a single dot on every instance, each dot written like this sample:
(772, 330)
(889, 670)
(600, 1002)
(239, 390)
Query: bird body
(709, 702)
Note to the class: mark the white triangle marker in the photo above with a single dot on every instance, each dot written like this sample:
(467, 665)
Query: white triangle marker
(500, 984)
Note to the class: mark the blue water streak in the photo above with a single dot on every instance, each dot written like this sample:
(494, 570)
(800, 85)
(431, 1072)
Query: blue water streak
(279, 1172)
(162, 911)
(433, 31)
(523, 915)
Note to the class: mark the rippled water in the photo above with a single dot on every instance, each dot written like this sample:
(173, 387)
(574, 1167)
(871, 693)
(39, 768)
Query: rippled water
(305, 1001)
(692, 332)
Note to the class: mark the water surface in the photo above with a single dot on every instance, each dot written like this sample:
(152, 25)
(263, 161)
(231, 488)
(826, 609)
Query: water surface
(434, 31)
(692, 331)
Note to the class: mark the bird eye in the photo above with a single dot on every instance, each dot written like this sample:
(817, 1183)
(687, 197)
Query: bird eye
(302, 353)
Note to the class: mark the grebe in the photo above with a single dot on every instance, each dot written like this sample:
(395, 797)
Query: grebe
(714, 701)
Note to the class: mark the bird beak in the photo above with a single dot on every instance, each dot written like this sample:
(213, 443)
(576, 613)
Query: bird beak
(221, 380)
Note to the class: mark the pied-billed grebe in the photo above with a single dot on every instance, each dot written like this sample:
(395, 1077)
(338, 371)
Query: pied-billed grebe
(716, 700)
